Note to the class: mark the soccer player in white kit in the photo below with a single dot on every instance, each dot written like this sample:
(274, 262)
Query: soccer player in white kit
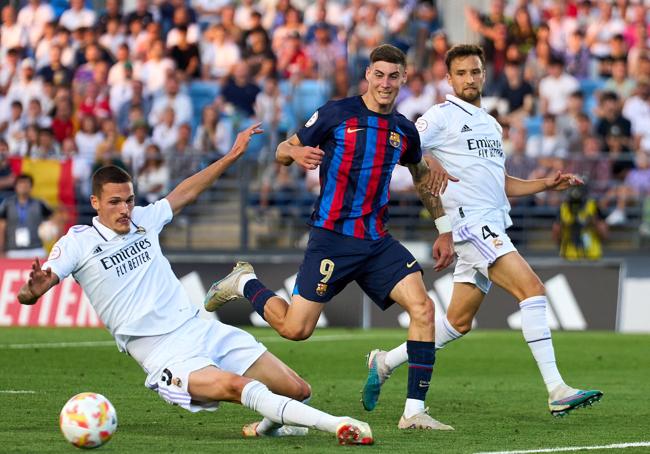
(189, 361)
(468, 143)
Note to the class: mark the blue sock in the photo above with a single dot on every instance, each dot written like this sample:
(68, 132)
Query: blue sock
(421, 357)
(258, 295)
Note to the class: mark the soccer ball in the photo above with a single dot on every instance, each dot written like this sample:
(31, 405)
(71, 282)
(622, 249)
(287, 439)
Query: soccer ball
(48, 231)
(88, 420)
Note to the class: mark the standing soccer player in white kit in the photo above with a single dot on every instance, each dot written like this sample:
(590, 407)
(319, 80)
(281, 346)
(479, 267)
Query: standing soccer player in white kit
(468, 143)
(189, 361)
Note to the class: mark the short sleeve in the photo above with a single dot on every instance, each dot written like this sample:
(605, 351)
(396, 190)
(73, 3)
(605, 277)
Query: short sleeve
(432, 127)
(153, 216)
(64, 257)
(313, 133)
(413, 152)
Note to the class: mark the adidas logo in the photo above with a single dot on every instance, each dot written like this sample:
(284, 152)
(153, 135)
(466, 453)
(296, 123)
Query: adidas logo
(97, 250)
(466, 129)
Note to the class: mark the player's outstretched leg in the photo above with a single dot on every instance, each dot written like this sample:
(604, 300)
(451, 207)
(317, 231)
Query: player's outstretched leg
(227, 289)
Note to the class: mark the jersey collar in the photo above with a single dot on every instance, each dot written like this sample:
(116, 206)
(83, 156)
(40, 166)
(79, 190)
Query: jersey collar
(470, 108)
(106, 233)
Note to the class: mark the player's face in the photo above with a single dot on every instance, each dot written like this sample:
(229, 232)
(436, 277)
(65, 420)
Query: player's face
(384, 81)
(114, 206)
(467, 76)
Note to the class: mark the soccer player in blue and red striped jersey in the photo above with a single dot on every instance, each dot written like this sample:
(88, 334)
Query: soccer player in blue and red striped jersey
(357, 142)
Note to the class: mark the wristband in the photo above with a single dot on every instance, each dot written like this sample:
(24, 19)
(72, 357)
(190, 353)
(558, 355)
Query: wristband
(443, 224)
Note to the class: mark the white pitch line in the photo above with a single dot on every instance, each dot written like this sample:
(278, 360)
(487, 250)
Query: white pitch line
(17, 391)
(267, 339)
(639, 444)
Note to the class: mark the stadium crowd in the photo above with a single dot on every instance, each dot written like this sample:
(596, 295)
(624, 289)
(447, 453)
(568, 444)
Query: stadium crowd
(161, 89)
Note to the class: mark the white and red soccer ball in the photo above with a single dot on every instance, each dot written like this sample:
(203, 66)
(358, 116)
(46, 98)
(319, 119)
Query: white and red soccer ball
(88, 420)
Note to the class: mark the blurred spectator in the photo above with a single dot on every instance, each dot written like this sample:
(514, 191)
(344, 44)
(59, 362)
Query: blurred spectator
(12, 34)
(417, 101)
(320, 22)
(186, 56)
(548, 144)
(9, 69)
(112, 13)
(367, 34)
(518, 163)
(247, 16)
(62, 126)
(165, 133)
(30, 144)
(324, 10)
(219, 53)
(561, 26)
(155, 71)
(576, 56)
(438, 85)
(153, 179)
(113, 37)
(94, 102)
(132, 97)
(515, 91)
(88, 138)
(591, 164)
(292, 26)
(293, 62)
(239, 92)
(7, 178)
(25, 87)
(637, 108)
(140, 14)
(259, 56)
(270, 107)
(228, 22)
(620, 83)
(580, 228)
(214, 134)
(208, 11)
(635, 188)
(55, 72)
(106, 156)
(184, 159)
(522, 31)
(555, 88)
(326, 54)
(13, 127)
(439, 47)
(485, 24)
(47, 147)
(568, 122)
(111, 134)
(121, 71)
(33, 17)
(182, 20)
(174, 98)
(611, 124)
(77, 16)
(601, 30)
(20, 217)
(69, 48)
(638, 51)
(135, 146)
(577, 136)
(538, 62)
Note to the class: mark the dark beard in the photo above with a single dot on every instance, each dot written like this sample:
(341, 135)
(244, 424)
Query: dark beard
(471, 99)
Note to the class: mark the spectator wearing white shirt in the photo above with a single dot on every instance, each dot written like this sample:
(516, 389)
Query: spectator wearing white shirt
(637, 108)
(165, 133)
(154, 72)
(113, 38)
(219, 53)
(77, 16)
(418, 100)
(153, 181)
(172, 97)
(14, 128)
(118, 72)
(12, 34)
(549, 144)
(87, 139)
(33, 17)
(554, 89)
(208, 10)
(182, 17)
(135, 146)
(26, 86)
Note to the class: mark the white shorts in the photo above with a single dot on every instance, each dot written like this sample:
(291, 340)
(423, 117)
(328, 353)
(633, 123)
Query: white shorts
(477, 248)
(196, 344)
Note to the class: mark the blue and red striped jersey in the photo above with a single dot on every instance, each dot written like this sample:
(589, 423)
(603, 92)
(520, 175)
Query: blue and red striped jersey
(361, 149)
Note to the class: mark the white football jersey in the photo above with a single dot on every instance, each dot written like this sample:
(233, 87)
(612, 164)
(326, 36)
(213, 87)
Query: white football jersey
(468, 143)
(127, 279)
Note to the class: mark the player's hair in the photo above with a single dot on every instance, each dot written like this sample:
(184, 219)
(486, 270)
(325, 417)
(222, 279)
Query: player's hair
(108, 174)
(464, 50)
(388, 53)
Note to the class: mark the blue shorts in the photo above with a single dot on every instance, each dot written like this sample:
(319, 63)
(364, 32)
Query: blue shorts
(333, 260)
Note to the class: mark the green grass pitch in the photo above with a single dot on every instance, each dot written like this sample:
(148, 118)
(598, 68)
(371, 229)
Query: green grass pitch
(486, 386)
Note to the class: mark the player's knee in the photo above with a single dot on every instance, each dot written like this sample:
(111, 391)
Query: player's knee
(534, 288)
(422, 312)
(462, 324)
(303, 390)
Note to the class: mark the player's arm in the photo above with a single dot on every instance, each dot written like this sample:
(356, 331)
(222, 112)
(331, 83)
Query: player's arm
(516, 187)
(292, 150)
(443, 248)
(38, 283)
(438, 175)
(190, 188)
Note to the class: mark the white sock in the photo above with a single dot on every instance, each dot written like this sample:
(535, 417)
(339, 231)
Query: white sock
(243, 280)
(397, 356)
(266, 425)
(283, 410)
(445, 332)
(534, 325)
(413, 407)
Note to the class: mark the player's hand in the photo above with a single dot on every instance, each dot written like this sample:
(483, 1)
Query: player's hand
(562, 181)
(38, 283)
(438, 176)
(443, 251)
(307, 157)
(243, 139)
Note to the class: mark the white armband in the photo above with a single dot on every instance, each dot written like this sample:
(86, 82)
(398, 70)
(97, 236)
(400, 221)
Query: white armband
(443, 224)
